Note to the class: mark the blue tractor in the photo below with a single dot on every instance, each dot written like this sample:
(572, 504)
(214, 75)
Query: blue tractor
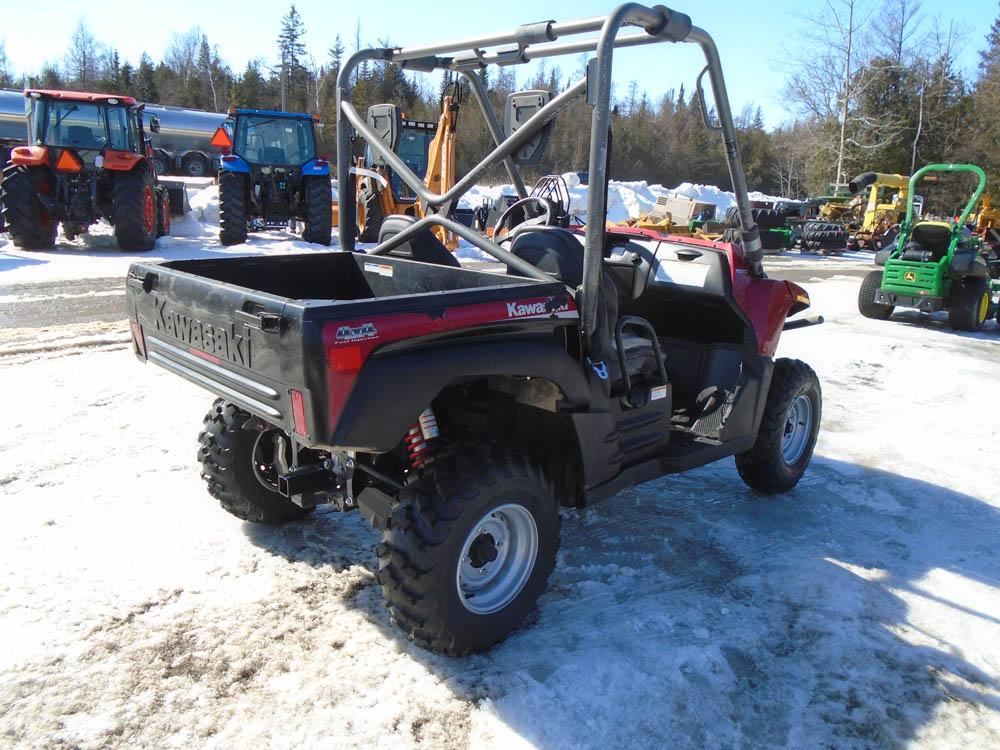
(270, 176)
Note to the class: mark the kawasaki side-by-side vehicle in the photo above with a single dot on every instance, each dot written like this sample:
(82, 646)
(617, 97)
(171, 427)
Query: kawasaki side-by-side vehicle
(271, 177)
(458, 409)
(935, 265)
(87, 158)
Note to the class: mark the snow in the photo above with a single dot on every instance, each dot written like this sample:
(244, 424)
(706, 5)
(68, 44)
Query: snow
(860, 610)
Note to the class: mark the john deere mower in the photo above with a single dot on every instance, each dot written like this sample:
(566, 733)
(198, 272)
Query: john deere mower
(935, 265)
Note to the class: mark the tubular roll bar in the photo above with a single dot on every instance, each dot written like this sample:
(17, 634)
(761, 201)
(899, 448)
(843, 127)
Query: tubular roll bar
(659, 24)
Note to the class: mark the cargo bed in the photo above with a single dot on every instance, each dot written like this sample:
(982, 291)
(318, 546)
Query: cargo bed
(284, 337)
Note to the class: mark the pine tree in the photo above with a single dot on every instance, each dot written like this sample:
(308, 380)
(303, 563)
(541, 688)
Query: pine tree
(290, 50)
(145, 85)
(336, 56)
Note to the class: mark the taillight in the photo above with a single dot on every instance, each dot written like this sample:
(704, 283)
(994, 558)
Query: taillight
(299, 412)
(138, 339)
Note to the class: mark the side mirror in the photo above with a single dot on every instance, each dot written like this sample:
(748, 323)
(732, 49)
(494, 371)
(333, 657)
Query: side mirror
(521, 107)
(154, 124)
(387, 122)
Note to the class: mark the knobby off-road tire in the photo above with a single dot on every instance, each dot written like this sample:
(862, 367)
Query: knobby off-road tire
(232, 208)
(969, 305)
(226, 452)
(319, 211)
(788, 430)
(467, 506)
(867, 305)
(28, 222)
(134, 209)
(374, 216)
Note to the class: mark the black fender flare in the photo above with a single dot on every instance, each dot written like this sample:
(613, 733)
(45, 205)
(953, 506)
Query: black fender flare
(395, 387)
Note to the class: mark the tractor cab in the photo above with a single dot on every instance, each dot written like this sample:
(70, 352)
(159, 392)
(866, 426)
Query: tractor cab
(85, 130)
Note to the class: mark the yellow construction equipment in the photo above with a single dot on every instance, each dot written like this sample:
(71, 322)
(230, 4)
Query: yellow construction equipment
(883, 208)
(379, 194)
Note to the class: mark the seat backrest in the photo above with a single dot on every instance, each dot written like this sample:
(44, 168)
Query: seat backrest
(81, 136)
(553, 250)
(424, 247)
(932, 236)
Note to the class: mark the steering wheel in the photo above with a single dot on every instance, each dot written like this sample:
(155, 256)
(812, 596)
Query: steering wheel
(507, 217)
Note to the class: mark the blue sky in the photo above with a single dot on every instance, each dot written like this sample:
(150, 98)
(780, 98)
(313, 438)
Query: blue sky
(753, 37)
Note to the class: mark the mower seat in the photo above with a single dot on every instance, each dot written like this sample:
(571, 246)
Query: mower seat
(928, 243)
(425, 247)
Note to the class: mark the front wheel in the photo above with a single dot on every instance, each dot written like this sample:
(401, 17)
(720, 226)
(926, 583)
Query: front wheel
(969, 304)
(468, 550)
(788, 430)
(241, 460)
(867, 305)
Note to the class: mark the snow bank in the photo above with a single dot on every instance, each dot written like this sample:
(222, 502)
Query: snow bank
(625, 199)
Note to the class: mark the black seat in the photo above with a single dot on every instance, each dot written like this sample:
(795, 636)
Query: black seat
(928, 242)
(559, 253)
(424, 247)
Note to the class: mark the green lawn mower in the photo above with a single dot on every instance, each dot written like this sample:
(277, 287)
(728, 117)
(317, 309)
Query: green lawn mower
(935, 265)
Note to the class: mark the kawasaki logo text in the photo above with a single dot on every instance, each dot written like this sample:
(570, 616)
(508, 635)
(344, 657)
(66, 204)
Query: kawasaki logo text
(225, 341)
(524, 310)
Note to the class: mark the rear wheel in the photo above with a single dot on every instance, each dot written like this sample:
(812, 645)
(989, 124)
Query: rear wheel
(468, 550)
(788, 430)
(241, 459)
(319, 210)
(374, 216)
(232, 208)
(969, 304)
(30, 225)
(867, 305)
(134, 209)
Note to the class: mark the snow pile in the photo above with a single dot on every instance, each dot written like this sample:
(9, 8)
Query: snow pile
(626, 200)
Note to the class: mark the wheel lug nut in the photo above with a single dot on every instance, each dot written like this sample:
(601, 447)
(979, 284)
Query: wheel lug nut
(482, 571)
(499, 543)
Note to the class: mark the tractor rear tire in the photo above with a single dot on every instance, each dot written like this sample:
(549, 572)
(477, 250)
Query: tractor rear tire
(236, 470)
(232, 208)
(969, 304)
(134, 209)
(867, 305)
(472, 513)
(374, 216)
(319, 211)
(788, 430)
(28, 222)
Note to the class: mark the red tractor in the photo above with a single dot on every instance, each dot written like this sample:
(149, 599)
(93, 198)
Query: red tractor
(88, 158)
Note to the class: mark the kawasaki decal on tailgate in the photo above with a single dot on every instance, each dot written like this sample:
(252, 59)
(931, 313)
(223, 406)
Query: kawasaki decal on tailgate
(225, 341)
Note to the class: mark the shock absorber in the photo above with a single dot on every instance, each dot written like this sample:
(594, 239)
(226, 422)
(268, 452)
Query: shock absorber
(418, 439)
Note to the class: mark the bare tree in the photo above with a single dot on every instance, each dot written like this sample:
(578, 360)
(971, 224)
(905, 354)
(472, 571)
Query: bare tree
(83, 60)
(206, 65)
(182, 53)
(6, 73)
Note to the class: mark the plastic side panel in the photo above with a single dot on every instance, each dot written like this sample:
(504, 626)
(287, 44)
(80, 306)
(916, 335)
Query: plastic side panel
(234, 163)
(29, 156)
(766, 303)
(313, 168)
(392, 390)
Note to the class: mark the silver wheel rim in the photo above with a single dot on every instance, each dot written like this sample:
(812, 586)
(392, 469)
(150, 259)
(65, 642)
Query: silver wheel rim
(798, 428)
(497, 559)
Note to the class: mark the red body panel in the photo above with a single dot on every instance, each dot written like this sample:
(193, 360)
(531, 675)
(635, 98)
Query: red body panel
(349, 343)
(81, 96)
(120, 161)
(29, 156)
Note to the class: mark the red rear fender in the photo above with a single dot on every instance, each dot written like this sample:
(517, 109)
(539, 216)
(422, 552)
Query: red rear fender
(29, 156)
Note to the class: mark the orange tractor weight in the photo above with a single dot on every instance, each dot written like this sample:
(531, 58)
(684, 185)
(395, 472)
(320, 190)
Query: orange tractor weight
(88, 159)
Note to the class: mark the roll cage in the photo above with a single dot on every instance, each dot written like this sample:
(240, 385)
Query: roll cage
(658, 24)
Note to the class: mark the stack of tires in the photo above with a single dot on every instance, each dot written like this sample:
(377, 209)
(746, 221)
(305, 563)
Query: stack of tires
(824, 237)
(766, 219)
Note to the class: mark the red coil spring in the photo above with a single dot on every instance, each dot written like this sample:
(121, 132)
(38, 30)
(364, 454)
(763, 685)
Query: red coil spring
(417, 447)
